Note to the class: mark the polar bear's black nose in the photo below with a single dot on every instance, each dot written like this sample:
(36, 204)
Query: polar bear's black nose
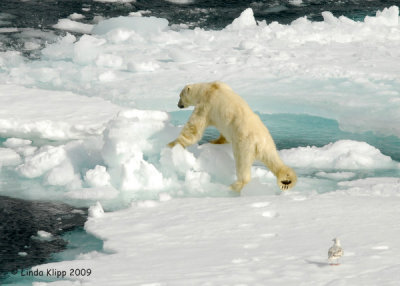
(286, 182)
(180, 104)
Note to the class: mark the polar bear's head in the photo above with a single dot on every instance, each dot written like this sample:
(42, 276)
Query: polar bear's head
(286, 178)
(192, 94)
(187, 97)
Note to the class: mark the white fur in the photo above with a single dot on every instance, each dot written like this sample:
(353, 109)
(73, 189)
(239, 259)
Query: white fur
(216, 104)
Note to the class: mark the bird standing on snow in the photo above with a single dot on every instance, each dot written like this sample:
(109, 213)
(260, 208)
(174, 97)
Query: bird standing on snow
(335, 252)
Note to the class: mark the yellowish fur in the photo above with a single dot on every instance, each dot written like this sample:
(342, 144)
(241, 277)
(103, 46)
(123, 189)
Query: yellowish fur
(216, 104)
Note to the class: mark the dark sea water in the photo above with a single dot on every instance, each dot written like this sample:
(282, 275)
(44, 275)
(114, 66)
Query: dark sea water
(35, 18)
(20, 20)
(21, 246)
(200, 13)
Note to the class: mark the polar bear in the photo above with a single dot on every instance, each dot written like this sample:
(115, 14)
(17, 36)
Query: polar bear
(216, 104)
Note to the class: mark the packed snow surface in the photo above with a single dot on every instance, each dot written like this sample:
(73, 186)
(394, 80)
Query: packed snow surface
(88, 123)
(174, 238)
(276, 240)
(338, 68)
(48, 114)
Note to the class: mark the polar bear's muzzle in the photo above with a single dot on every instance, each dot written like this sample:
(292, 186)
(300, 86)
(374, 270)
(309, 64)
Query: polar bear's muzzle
(180, 104)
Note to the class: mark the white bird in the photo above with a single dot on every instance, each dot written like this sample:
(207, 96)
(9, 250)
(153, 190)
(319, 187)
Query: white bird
(335, 252)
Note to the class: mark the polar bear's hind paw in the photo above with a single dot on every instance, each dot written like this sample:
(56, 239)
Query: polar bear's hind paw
(286, 178)
(285, 185)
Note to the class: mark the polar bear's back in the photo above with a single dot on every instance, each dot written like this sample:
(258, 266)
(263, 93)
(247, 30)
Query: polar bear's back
(231, 114)
(223, 97)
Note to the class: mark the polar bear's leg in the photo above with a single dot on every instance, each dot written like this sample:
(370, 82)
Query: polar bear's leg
(220, 140)
(190, 134)
(243, 159)
(193, 129)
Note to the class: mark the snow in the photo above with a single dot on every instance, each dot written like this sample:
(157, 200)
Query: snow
(336, 175)
(56, 115)
(388, 17)
(76, 16)
(45, 159)
(92, 193)
(126, 158)
(20, 146)
(73, 26)
(296, 2)
(343, 154)
(382, 186)
(246, 20)
(96, 211)
(60, 175)
(16, 142)
(88, 124)
(8, 157)
(276, 240)
(98, 177)
(141, 25)
(218, 237)
(44, 235)
(338, 68)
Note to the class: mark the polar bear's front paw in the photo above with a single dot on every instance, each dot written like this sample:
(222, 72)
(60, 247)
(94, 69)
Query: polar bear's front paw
(171, 144)
(174, 143)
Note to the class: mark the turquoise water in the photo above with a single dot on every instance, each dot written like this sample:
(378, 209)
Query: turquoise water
(294, 130)
(298, 130)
